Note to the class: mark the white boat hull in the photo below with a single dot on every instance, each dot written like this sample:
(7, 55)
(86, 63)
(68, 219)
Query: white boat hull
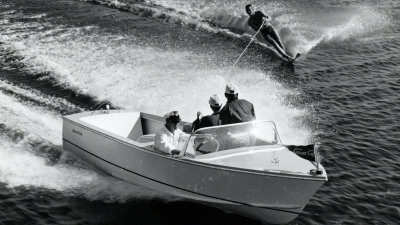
(271, 197)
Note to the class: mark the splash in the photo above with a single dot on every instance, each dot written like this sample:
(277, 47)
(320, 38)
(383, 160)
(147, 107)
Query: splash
(326, 25)
(40, 124)
(302, 26)
(20, 167)
(146, 78)
(133, 75)
(30, 156)
(34, 97)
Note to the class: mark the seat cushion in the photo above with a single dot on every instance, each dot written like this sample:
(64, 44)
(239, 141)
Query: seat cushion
(146, 138)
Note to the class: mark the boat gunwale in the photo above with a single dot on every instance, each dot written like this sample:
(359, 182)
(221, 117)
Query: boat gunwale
(192, 162)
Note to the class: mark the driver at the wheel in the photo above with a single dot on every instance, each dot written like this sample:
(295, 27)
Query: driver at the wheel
(168, 137)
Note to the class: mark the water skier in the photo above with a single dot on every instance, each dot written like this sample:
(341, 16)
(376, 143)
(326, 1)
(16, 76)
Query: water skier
(258, 19)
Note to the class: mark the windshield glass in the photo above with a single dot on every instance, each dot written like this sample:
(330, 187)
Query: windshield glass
(233, 136)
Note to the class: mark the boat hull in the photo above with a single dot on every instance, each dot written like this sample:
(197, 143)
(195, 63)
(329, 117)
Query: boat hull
(268, 197)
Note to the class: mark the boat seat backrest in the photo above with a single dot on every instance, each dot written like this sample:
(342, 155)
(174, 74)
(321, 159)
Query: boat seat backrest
(127, 125)
(137, 130)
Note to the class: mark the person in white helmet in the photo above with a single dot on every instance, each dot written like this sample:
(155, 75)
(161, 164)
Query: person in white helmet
(236, 110)
(210, 120)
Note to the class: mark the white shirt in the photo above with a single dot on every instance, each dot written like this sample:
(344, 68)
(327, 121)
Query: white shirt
(166, 141)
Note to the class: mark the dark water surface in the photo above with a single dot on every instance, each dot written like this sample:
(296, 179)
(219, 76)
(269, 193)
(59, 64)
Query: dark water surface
(63, 56)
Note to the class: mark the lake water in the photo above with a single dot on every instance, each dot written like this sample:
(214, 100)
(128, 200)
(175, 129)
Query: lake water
(59, 57)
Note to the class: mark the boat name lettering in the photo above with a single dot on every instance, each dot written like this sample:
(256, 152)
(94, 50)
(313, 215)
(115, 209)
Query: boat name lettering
(304, 153)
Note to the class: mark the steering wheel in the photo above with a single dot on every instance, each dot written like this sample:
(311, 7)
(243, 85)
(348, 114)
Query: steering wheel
(208, 140)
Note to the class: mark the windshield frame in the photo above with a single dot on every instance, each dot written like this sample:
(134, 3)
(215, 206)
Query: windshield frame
(196, 133)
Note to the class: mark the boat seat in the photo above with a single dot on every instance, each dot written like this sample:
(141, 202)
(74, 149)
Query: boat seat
(147, 141)
(148, 145)
(146, 138)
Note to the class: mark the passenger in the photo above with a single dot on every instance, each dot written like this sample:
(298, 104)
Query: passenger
(236, 110)
(210, 120)
(168, 137)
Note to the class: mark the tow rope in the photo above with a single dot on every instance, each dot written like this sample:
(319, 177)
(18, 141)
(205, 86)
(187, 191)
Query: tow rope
(252, 39)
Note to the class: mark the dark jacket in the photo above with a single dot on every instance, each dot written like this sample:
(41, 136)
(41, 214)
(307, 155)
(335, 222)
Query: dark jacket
(256, 20)
(207, 121)
(237, 111)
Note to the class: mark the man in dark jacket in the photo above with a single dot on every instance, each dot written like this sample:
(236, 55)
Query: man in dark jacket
(210, 120)
(258, 19)
(236, 110)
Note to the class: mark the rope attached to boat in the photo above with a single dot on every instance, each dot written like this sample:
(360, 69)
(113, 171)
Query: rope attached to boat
(252, 39)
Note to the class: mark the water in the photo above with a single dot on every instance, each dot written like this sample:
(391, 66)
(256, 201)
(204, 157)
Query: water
(63, 56)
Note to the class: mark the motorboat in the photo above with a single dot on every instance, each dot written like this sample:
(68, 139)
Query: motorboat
(243, 168)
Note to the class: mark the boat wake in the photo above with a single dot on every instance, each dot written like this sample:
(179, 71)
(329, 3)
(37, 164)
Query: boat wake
(31, 155)
(302, 26)
(21, 167)
(43, 63)
(119, 68)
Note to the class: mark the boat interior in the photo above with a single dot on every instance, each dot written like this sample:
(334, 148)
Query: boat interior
(139, 129)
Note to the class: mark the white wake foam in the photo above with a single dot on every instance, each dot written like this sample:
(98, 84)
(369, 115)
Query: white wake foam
(36, 122)
(20, 165)
(131, 75)
(147, 78)
(302, 26)
(307, 29)
(42, 99)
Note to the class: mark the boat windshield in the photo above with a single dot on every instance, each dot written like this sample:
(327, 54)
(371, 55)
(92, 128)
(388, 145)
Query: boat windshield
(232, 136)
